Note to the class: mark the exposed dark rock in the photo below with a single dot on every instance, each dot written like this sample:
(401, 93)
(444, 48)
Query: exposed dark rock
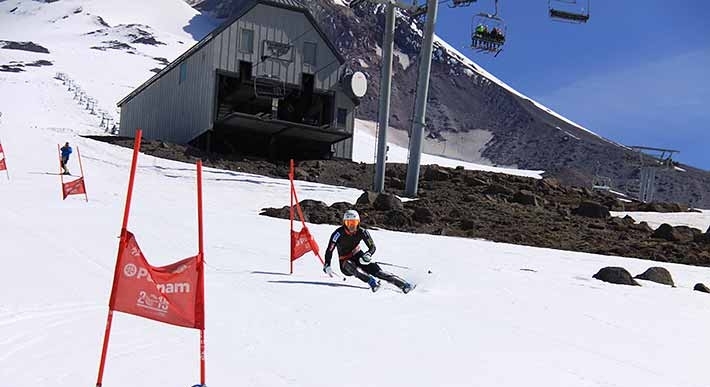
(101, 21)
(657, 274)
(525, 197)
(629, 220)
(473, 181)
(674, 234)
(113, 45)
(591, 209)
(498, 189)
(24, 46)
(615, 275)
(643, 227)
(423, 215)
(387, 201)
(149, 40)
(661, 207)
(11, 68)
(435, 173)
(462, 210)
(701, 288)
(39, 63)
(162, 60)
(397, 218)
(367, 198)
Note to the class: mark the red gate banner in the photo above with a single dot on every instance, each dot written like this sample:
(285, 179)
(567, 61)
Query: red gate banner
(3, 165)
(170, 294)
(75, 187)
(301, 243)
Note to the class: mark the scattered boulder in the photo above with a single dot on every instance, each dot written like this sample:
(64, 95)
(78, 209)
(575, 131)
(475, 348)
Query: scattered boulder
(396, 183)
(674, 234)
(387, 201)
(657, 274)
(473, 181)
(701, 288)
(615, 275)
(629, 220)
(397, 218)
(549, 184)
(435, 173)
(591, 209)
(423, 215)
(318, 212)
(643, 226)
(367, 198)
(498, 189)
(525, 197)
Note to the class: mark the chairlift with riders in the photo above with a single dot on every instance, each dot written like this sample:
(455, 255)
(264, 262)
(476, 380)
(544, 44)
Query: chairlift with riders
(488, 32)
(570, 11)
(461, 3)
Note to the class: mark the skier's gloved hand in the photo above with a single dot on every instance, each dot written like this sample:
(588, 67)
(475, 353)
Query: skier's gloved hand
(366, 259)
(328, 270)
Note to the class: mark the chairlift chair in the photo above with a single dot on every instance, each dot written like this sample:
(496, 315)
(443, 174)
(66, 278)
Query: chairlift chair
(461, 3)
(571, 11)
(269, 86)
(492, 38)
(601, 183)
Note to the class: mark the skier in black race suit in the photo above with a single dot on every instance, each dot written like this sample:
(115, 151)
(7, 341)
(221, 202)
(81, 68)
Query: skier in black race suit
(354, 261)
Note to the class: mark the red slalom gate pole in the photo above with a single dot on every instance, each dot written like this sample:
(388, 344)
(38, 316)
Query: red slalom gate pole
(290, 231)
(129, 194)
(81, 169)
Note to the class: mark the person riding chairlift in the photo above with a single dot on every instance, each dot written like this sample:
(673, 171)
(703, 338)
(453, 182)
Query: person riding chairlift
(497, 35)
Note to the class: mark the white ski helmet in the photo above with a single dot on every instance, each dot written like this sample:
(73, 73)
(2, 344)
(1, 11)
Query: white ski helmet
(351, 219)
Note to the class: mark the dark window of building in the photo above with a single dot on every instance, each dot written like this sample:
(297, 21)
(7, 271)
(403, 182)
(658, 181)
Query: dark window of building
(246, 43)
(342, 117)
(183, 72)
(309, 53)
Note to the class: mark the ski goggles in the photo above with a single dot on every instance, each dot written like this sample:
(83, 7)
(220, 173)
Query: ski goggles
(351, 223)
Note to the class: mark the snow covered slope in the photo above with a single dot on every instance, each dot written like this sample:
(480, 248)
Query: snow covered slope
(488, 314)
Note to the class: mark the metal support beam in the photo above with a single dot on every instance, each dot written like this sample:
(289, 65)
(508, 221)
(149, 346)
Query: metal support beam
(385, 91)
(417, 132)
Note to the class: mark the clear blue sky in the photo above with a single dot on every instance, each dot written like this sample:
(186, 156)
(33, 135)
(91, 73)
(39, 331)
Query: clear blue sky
(637, 73)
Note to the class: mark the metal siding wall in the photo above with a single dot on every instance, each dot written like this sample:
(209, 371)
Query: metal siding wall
(173, 111)
(287, 26)
(344, 148)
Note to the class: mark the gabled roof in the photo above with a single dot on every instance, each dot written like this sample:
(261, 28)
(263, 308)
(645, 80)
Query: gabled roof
(293, 5)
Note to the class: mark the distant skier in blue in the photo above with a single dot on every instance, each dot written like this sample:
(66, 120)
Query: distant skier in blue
(66, 151)
(354, 261)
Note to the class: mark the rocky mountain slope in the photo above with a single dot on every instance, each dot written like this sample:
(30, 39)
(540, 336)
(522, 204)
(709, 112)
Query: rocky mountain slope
(464, 98)
(474, 204)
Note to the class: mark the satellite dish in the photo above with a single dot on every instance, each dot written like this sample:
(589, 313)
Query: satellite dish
(356, 83)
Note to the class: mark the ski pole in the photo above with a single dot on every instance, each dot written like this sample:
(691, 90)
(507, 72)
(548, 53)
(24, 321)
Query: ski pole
(393, 265)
